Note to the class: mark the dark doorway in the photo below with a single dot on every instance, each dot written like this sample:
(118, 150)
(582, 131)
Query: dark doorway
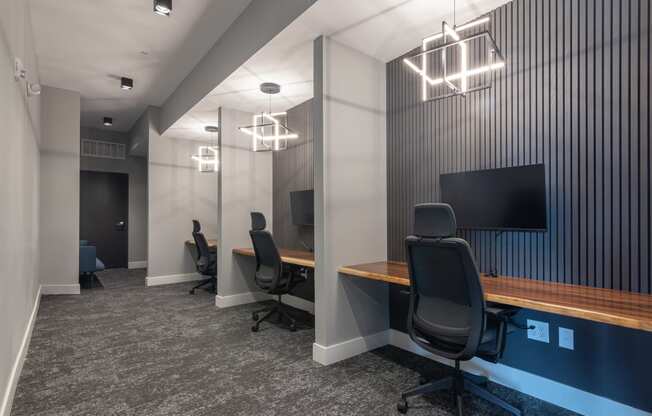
(103, 213)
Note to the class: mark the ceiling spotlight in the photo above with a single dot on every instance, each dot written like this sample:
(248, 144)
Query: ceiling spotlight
(163, 7)
(126, 83)
(108, 121)
(211, 129)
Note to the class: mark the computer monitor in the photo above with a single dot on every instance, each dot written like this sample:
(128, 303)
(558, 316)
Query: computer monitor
(302, 207)
(498, 199)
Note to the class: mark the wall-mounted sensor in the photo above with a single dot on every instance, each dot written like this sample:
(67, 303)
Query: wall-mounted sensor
(126, 83)
(19, 70)
(33, 89)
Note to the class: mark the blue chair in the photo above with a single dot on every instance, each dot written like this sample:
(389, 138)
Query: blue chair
(89, 264)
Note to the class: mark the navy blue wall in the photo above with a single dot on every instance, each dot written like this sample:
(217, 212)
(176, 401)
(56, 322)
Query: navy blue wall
(574, 95)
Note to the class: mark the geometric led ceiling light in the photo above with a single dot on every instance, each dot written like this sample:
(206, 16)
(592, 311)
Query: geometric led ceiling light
(269, 131)
(456, 61)
(207, 157)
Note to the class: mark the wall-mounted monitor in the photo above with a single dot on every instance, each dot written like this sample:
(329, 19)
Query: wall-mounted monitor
(498, 199)
(302, 207)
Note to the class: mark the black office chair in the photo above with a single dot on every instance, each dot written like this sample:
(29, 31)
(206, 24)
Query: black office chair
(206, 261)
(271, 274)
(447, 315)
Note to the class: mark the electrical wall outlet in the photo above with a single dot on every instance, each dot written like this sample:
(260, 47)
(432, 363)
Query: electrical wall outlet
(566, 338)
(540, 332)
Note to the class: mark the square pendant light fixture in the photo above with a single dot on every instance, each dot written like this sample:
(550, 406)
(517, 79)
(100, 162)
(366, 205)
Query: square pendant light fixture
(269, 131)
(462, 61)
(126, 83)
(163, 7)
(207, 157)
(108, 121)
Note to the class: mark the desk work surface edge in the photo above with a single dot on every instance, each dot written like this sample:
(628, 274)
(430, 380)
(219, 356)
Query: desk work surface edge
(626, 309)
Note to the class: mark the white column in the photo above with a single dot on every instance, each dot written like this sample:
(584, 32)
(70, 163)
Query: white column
(352, 315)
(245, 185)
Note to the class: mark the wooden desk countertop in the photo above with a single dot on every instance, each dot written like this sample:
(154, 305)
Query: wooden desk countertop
(296, 257)
(626, 309)
(211, 243)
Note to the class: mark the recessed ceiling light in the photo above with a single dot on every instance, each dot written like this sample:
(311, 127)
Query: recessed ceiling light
(108, 121)
(163, 7)
(211, 129)
(126, 83)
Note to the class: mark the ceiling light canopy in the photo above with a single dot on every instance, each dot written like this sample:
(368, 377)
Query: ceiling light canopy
(108, 121)
(163, 7)
(126, 83)
(455, 66)
(269, 131)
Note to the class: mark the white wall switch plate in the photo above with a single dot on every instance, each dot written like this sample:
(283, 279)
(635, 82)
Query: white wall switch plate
(540, 332)
(566, 338)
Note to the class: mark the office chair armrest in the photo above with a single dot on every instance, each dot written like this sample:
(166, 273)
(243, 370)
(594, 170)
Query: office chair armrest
(501, 313)
(294, 276)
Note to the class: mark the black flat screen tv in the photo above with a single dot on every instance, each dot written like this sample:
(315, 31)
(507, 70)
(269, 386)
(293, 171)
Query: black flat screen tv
(498, 199)
(302, 207)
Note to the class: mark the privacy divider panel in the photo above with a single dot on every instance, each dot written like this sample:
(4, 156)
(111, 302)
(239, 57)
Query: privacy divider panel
(575, 95)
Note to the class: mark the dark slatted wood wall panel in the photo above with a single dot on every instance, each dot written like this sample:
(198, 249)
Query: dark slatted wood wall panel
(575, 95)
(293, 170)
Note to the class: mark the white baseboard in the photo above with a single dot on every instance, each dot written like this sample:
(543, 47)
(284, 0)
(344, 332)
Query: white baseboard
(542, 388)
(252, 297)
(240, 299)
(137, 264)
(299, 303)
(171, 279)
(60, 289)
(14, 376)
(331, 354)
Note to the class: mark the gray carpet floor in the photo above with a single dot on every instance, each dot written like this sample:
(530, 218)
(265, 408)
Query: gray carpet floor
(119, 278)
(132, 350)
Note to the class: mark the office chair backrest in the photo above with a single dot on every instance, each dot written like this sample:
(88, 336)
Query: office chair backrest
(446, 300)
(203, 261)
(196, 226)
(268, 259)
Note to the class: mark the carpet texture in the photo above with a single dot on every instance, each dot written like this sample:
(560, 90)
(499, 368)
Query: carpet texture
(159, 351)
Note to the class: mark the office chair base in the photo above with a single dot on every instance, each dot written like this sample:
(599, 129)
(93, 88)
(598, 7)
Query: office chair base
(280, 310)
(212, 281)
(459, 383)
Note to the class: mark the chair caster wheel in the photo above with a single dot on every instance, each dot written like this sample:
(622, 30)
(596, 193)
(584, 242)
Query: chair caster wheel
(402, 406)
(293, 328)
(254, 316)
(423, 380)
(191, 291)
(254, 328)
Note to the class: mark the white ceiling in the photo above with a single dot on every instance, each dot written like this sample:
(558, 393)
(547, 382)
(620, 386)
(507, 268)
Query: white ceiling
(383, 29)
(87, 45)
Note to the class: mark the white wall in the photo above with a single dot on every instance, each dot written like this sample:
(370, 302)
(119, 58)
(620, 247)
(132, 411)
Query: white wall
(59, 204)
(177, 194)
(245, 186)
(19, 184)
(136, 168)
(350, 200)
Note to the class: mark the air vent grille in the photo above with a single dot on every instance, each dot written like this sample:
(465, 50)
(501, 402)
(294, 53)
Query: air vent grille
(102, 149)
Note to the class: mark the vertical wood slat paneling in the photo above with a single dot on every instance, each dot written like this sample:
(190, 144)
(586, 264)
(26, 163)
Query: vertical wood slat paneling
(575, 95)
(293, 170)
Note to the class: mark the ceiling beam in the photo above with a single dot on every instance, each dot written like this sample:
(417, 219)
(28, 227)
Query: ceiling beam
(257, 25)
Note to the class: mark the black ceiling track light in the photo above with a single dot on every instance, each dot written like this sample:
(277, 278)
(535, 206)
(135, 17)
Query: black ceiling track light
(163, 7)
(126, 83)
(108, 121)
